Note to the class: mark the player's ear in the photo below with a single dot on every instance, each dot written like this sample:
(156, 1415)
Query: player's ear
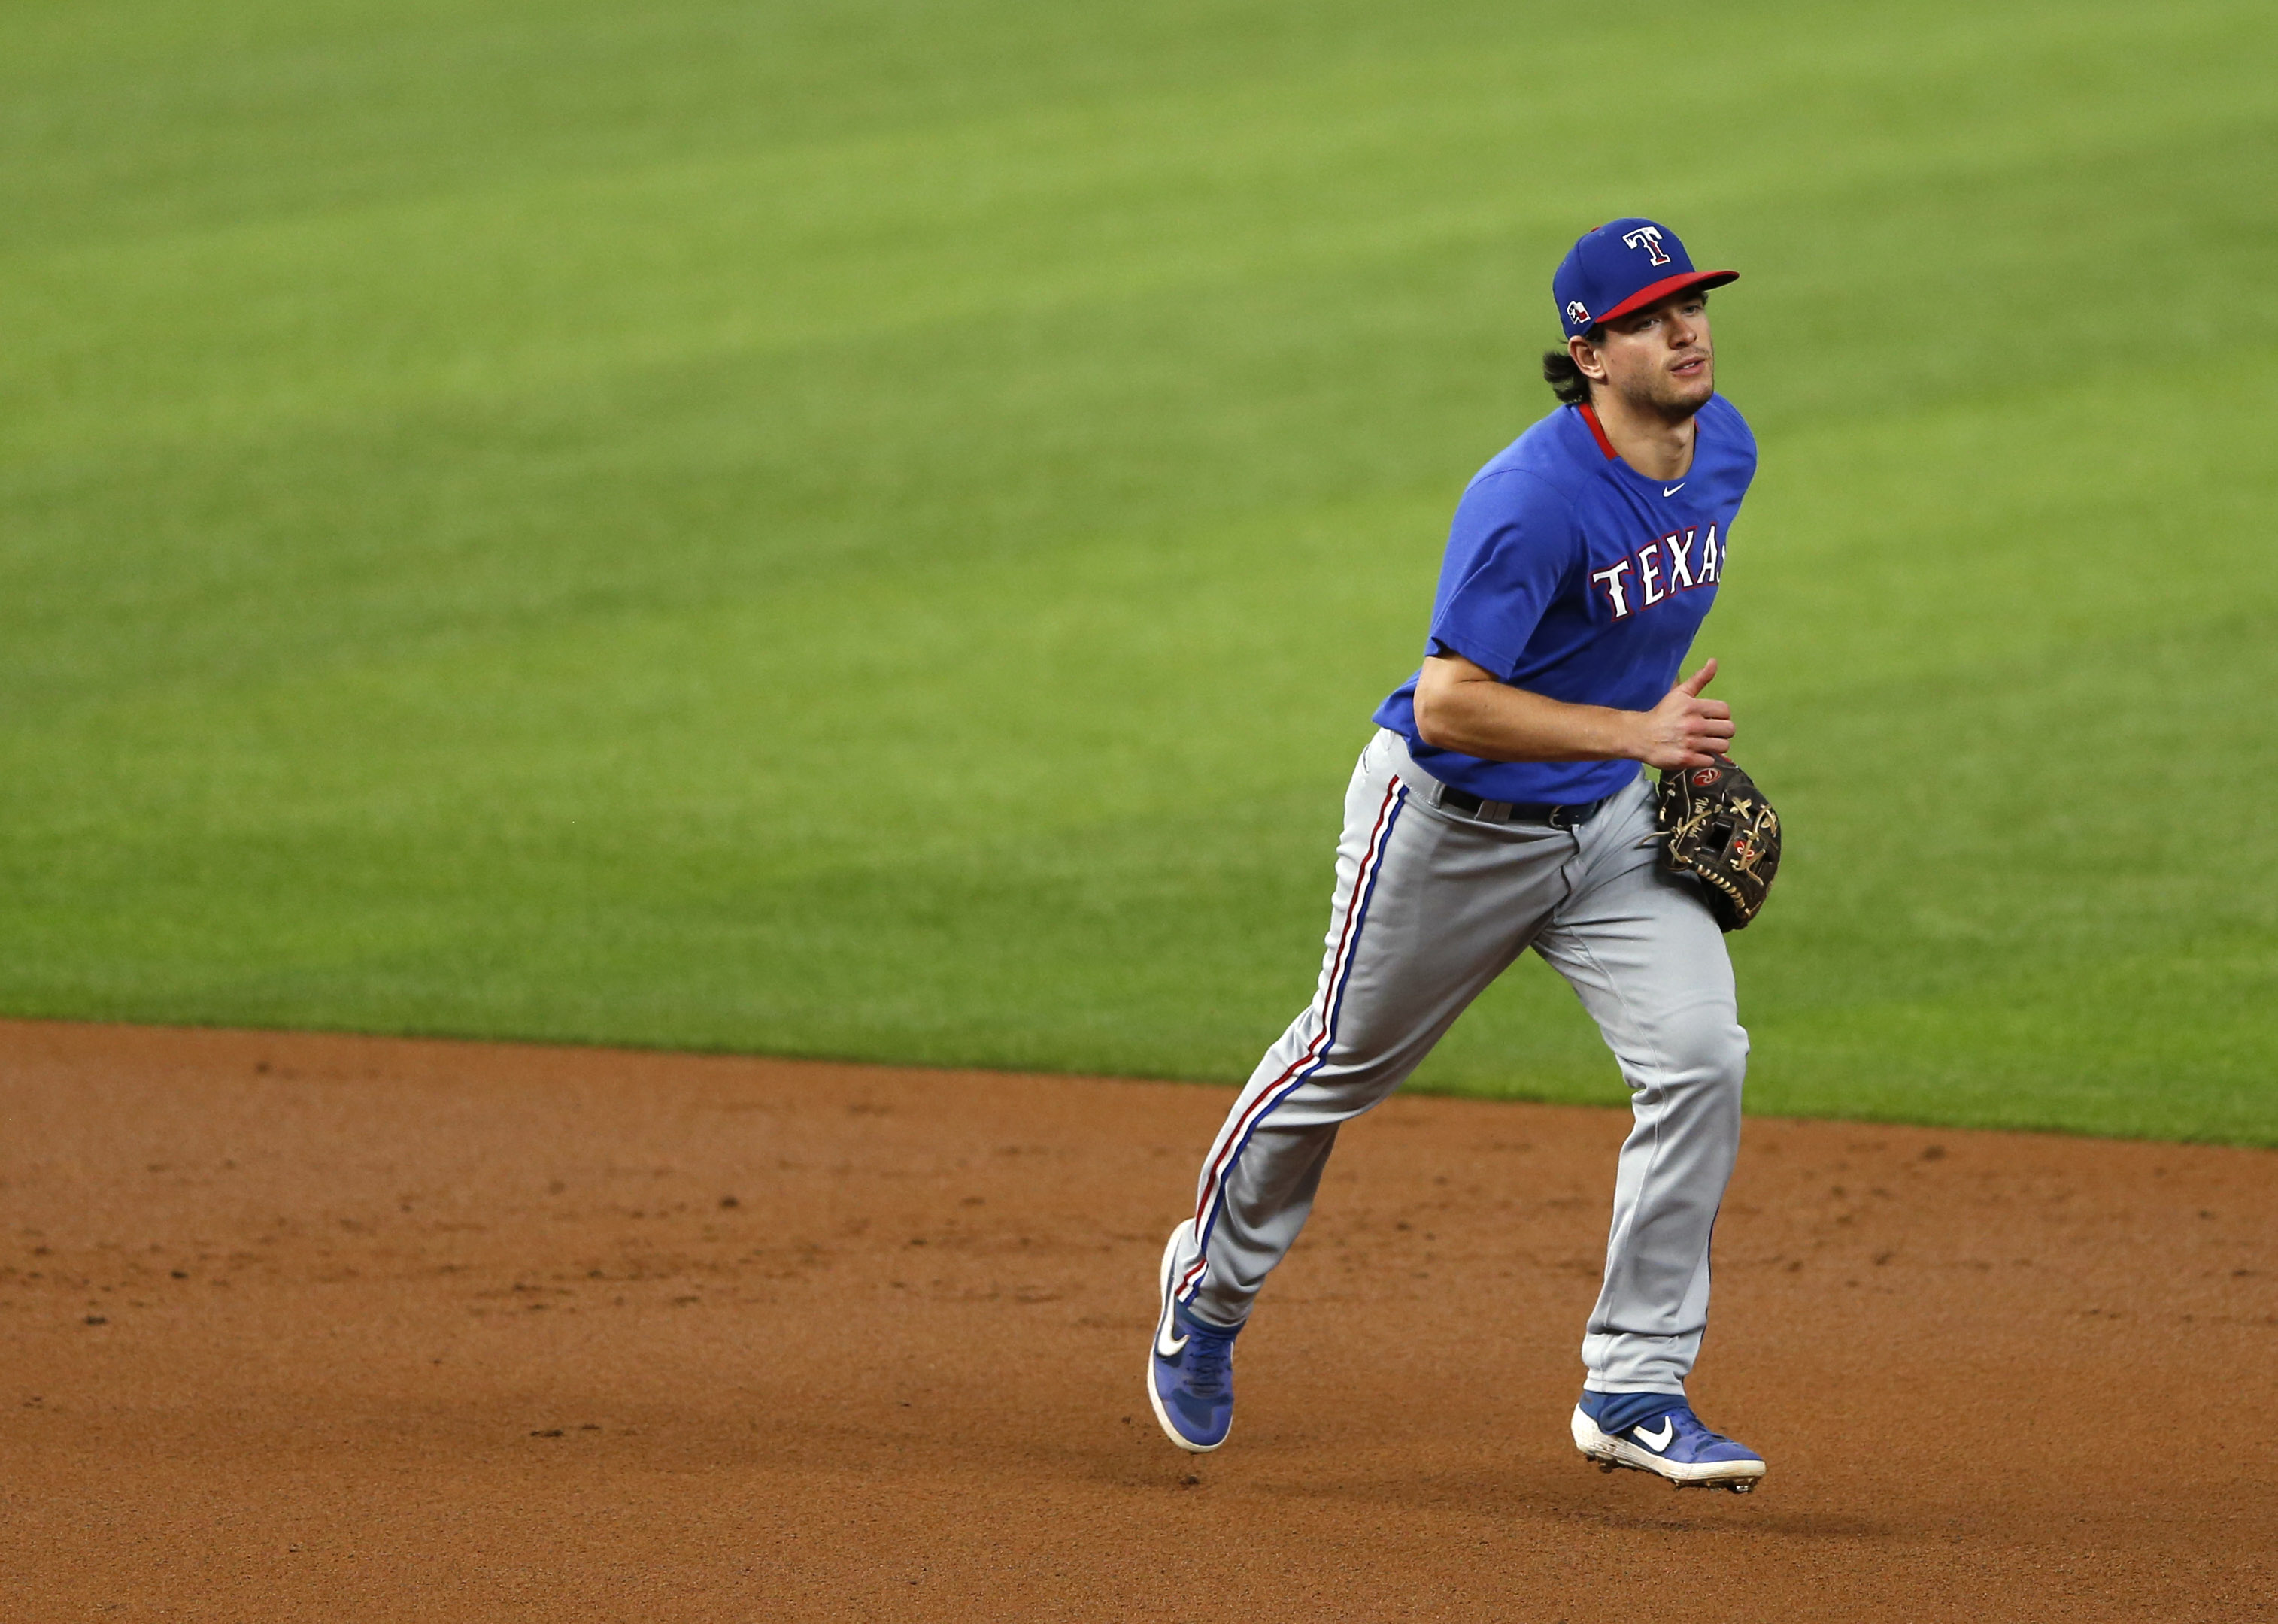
(1586, 359)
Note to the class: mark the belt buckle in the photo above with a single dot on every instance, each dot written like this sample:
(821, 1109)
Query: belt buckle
(1561, 817)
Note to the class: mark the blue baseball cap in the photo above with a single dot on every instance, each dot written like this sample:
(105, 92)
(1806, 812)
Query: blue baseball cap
(1623, 266)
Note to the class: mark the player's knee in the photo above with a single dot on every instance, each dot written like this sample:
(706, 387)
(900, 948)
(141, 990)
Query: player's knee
(1370, 1060)
(1709, 1054)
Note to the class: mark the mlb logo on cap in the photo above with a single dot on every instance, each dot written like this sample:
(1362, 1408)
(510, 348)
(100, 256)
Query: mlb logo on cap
(1623, 266)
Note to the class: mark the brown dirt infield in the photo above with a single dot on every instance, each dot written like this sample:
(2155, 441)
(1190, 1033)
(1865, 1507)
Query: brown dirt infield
(308, 1327)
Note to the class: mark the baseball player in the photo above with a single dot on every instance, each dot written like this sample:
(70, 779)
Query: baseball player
(1502, 806)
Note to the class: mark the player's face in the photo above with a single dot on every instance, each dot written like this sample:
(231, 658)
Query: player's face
(1660, 358)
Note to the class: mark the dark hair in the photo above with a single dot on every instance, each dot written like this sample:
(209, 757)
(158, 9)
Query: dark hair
(1564, 377)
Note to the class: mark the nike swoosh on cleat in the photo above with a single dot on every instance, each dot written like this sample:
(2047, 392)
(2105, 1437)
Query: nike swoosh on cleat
(1164, 1346)
(1665, 490)
(1656, 1444)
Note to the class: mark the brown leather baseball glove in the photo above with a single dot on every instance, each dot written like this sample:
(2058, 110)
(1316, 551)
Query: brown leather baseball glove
(1716, 825)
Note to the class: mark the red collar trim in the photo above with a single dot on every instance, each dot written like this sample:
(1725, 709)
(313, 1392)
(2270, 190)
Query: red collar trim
(1598, 432)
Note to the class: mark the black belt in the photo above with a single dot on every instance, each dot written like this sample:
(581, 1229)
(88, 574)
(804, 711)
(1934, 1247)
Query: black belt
(1520, 811)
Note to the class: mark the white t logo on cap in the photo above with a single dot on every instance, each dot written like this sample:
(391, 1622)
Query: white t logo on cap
(1648, 237)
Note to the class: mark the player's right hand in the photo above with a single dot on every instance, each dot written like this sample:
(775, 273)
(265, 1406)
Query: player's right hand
(1685, 729)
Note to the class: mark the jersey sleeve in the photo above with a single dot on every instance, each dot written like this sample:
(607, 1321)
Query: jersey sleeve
(1738, 440)
(1513, 542)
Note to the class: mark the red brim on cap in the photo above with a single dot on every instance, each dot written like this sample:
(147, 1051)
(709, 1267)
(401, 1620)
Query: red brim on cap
(1667, 285)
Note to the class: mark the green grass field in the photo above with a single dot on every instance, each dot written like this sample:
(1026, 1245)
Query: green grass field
(873, 530)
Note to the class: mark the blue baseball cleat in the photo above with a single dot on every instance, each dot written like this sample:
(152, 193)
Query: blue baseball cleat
(1189, 1370)
(1659, 1433)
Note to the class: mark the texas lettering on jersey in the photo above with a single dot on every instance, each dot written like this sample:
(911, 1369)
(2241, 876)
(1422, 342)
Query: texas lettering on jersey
(1659, 570)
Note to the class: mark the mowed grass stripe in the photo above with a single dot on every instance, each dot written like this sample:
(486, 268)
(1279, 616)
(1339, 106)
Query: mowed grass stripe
(483, 292)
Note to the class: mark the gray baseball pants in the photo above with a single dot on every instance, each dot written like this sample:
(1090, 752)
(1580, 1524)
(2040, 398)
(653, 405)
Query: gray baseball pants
(1430, 906)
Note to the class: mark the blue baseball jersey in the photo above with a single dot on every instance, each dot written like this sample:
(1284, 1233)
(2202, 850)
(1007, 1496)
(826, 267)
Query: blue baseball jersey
(1572, 576)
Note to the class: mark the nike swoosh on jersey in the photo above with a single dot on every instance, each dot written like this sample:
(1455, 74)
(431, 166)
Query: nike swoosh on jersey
(1656, 1444)
(1672, 489)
